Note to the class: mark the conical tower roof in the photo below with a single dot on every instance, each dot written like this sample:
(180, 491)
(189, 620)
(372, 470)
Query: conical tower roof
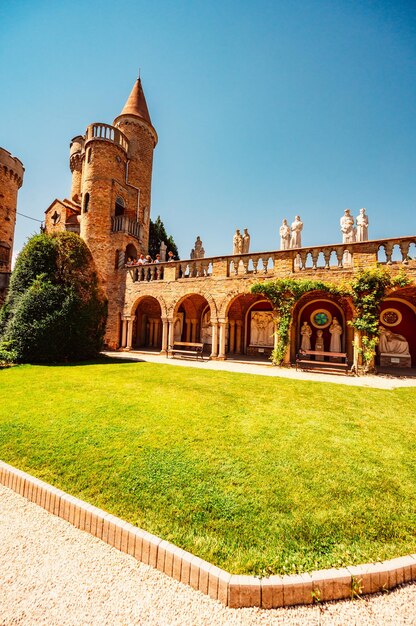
(136, 103)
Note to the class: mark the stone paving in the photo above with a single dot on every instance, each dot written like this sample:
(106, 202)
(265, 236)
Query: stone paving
(263, 368)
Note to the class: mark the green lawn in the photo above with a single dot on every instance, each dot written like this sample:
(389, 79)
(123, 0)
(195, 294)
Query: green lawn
(255, 474)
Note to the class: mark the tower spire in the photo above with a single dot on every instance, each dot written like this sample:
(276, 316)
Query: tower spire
(136, 103)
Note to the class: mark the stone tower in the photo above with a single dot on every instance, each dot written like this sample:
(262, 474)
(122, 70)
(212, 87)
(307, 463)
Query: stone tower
(11, 179)
(110, 196)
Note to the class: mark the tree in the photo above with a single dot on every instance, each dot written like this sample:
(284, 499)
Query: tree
(55, 309)
(157, 234)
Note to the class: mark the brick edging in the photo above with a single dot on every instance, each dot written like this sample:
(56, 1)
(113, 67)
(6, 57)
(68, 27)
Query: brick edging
(233, 591)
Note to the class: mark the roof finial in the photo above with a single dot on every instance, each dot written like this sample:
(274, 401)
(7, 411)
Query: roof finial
(139, 73)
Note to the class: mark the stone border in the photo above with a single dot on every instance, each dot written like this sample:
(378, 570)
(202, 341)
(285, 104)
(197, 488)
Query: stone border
(233, 591)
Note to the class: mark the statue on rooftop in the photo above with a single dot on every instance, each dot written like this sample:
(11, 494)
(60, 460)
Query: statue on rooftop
(246, 241)
(362, 226)
(347, 227)
(297, 227)
(284, 233)
(198, 251)
(238, 243)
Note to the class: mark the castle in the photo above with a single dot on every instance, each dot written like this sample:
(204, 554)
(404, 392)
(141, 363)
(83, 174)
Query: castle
(206, 300)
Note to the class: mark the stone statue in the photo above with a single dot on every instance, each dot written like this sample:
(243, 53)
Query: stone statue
(306, 333)
(284, 233)
(336, 331)
(392, 343)
(246, 241)
(162, 251)
(206, 328)
(347, 227)
(261, 328)
(362, 226)
(237, 243)
(297, 227)
(177, 328)
(198, 251)
(319, 345)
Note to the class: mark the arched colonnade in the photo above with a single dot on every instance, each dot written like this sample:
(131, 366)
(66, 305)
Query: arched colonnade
(245, 324)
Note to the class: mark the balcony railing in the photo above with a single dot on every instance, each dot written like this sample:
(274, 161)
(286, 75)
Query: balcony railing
(106, 132)
(331, 258)
(123, 224)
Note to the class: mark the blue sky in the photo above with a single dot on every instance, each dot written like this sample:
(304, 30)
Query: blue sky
(264, 109)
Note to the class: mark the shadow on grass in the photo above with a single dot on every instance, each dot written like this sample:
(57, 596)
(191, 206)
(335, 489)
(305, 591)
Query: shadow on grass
(100, 360)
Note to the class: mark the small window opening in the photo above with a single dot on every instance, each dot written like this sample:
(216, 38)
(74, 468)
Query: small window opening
(86, 202)
(119, 209)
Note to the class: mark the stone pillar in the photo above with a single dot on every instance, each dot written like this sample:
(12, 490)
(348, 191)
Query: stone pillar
(357, 359)
(124, 332)
(214, 347)
(194, 324)
(171, 331)
(232, 336)
(165, 331)
(221, 350)
(239, 324)
(151, 331)
(188, 330)
(130, 322)
(156, 333)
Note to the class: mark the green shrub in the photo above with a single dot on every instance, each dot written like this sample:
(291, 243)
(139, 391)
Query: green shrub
(55, 310)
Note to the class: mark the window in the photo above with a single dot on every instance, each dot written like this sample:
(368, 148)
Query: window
(119, 209)
(86, 202)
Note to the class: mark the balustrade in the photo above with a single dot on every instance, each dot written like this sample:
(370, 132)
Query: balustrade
(106, 132)
(123, 224)
(338, 257)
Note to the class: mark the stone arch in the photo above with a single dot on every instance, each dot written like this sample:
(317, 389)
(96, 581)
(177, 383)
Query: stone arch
(331, 306)
(192, 316)
(398, 315)
(174, 305)
(147, 323)
(158, 298)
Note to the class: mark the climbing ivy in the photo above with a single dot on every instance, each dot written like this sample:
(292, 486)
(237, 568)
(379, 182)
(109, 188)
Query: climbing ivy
(367, 290)
(284, 293)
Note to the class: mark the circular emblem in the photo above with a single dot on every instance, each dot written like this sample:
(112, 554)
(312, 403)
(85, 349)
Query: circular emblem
(390, 317)
(321, 318)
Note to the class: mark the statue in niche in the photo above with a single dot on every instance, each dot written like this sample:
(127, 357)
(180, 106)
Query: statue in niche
(336, 332)
(306, 334)
(393, 343)
(319, 345)
(246, 241)
(284, 233)
(362, 226)
(237, 243)
(206, 328)
(198, 251)
(261, 329)
(347, 227)
(297, 227)
(162, 251)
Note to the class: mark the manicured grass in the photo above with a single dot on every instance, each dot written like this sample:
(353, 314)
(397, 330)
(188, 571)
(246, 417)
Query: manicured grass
(255, 474)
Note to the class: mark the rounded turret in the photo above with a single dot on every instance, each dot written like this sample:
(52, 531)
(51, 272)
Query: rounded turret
(11, 179)
(76, 155)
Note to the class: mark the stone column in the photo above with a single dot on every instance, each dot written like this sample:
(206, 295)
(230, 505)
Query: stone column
(239, 324)
(221, 350)
(124, 333)
(357, 359)
(156, 333)
(194, 324)
(188, 330)
(130, 321)
(214, 347)
(232, 336)
(165, 331)
(171, 334)
(151, 332)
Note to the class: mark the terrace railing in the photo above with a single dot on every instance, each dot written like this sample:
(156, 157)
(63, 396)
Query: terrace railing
(331, 258)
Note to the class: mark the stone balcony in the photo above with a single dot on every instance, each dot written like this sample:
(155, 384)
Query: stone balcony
(105, 132)
(331, 260)
(123, 224)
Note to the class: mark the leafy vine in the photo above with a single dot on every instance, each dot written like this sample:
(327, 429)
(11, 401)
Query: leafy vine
(366, 289)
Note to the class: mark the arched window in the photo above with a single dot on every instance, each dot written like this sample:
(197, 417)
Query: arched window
(4, 255)
(86, 202)
(131, 253)
(119, 210)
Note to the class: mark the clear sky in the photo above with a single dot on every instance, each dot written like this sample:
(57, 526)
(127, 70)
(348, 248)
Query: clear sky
(264, 108)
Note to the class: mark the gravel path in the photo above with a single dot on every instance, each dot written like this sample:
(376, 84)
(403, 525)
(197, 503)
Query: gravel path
(53, 574)
(263, 368)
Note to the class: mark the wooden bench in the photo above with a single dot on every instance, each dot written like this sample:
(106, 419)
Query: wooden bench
(321, 363)
(186, 347)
